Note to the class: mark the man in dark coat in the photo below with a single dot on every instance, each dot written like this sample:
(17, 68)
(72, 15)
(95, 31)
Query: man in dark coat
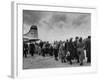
(41, 44)
(66, 46)
(88, 49)
(70, 51)
(75, 44)
(25, 49)
(56, 49)
(32, 49)
(51, 50)
(44, 49)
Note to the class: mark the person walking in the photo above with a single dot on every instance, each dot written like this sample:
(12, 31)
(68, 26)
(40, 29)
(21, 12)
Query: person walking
(80, 50)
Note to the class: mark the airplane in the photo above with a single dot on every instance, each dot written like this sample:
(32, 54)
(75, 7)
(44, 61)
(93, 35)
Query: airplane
(32, 35)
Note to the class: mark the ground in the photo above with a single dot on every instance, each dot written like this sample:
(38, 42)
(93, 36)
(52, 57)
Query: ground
(37, 62)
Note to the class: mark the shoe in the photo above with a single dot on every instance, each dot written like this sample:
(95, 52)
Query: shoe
(81, 64)
(71, 63)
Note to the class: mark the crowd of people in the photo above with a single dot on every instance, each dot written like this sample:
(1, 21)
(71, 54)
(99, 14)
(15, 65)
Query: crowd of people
(65, 51)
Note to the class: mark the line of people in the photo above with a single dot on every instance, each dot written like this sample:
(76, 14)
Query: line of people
(65, 51)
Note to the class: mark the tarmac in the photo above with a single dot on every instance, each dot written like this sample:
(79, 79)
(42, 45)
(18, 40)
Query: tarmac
(38, 62)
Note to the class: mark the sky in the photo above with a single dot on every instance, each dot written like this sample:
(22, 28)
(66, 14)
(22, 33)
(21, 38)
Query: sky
(54, 25)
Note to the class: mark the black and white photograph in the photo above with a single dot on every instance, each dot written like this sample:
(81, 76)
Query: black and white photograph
(56, 39)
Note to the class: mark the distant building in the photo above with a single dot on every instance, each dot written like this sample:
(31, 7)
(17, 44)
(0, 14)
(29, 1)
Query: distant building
(32, 35)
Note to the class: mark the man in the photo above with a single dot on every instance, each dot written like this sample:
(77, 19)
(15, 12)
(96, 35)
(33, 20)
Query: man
(66, 49)
(56, 49)
(47, 48)
(88, 49)
(32, 49)
(62, 53)
(41, 44)
(80, 50)
(25, 49)
(70, 51)
(75, 43)
(66, 46)
(51, 50)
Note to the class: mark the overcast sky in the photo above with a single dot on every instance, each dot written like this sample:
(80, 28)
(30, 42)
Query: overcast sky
(57, 25)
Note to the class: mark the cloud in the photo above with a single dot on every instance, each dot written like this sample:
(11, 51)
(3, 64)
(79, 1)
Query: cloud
(57, 25)
(56, 18)
(53, 20)
(32, 17)
(82, 19)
